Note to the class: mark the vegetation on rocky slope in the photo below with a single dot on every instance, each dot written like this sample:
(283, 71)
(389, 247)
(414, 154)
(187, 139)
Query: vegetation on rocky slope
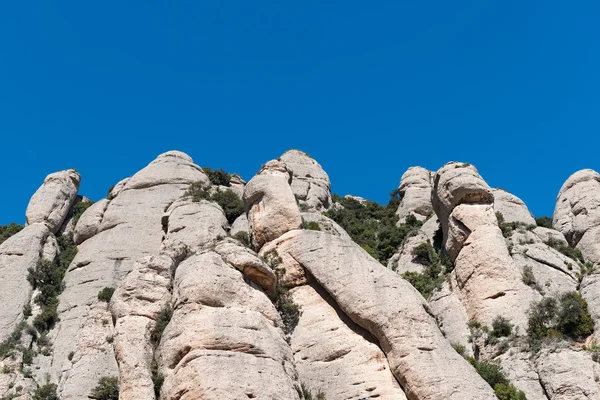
(372, 225)
(564, 316)
(7, 231)
(231, 204)
(47, 278)
(434, 273)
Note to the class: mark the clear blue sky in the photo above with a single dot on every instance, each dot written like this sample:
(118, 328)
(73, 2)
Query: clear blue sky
(367, 88)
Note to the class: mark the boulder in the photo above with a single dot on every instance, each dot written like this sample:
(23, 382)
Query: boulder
(51, 203)
(240, 225)
(455, 184)
(311, 184)
(415, 194)
(578, 205)
(270, 203)
(511, 207)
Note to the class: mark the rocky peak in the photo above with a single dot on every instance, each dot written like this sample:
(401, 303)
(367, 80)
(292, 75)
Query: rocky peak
(169, 296)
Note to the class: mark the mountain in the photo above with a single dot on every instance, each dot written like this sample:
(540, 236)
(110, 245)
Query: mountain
(189, 283)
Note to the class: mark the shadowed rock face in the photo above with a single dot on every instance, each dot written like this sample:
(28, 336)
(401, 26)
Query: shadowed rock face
(296, 310)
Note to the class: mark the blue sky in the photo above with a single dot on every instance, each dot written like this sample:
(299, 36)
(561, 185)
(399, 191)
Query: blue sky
(367, 88)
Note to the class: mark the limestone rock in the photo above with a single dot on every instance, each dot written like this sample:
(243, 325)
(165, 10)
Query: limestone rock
(451, 314)
(490, 283)
(170, 168)
(248, 263)
(511, 207)
(90, 221)
(270, 203)
(311, 184)
(404, 260)
(546, 235)
(522, 373)
(115, 190)
(464, 219)
(51, 203)
(567, 374)
(415, 192)
(240, 225)
(381, 302)
(135, 306)
(219, 324)
(335, 356)
(325, 224)
(193, 224)
(456, 184)
(578, 205)
(131, 228)
(18, 253)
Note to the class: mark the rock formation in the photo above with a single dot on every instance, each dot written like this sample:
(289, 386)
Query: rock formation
(162, 294)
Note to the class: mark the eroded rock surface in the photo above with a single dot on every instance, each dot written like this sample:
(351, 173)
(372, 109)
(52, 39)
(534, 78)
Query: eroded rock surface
(270, 203)
(51, 203)
(311, 184)
(372, 296)
(415, 194)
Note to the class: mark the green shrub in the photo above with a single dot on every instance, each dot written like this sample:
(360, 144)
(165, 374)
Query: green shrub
(570, 252)
(308, 395)
(312, 225)
(508, 392)
(425, 253)
(231, 204)
(7, 231)
(46, 392)
(157, 378)
(218, 177)
(501, 327)
(243, 238)
(162, 320)
(433, 275)
(78, 210)
(106, 294)
(288, 310)
(544, 222)
(28, 355)
(495, 377)
(106, 389)
(566, 315)
(528, 277)
(47, 277)
(574, 320)
(108, 195)
(373, 226)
